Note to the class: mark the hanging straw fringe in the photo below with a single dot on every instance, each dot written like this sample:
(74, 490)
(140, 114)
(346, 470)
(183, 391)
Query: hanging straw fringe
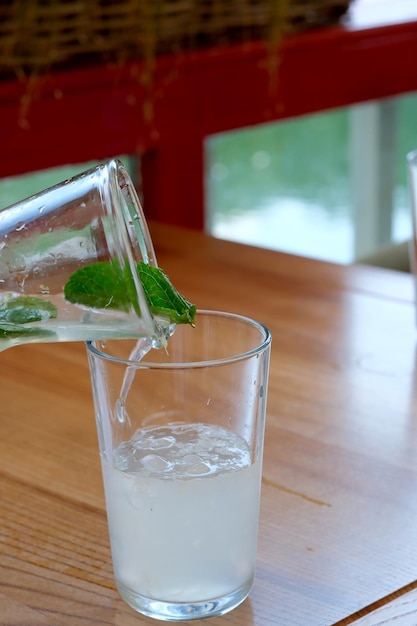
(39, 35)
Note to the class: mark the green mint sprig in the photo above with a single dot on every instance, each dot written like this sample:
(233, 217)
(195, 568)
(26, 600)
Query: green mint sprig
(100, 285)
(12, 331)
(25, 309)
(106, 285)
(163, 298)
(14, 312)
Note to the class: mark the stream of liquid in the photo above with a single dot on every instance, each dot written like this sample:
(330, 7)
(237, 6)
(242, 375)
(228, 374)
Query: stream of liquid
(141, 348)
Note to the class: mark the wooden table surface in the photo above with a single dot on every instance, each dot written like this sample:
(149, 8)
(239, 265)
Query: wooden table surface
(338, 529)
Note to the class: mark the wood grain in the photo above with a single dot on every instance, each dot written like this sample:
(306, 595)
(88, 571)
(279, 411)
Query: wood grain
(338, 531)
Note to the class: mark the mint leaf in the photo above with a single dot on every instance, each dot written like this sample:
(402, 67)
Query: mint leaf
(22, 310)
(105, 285)
(25, 309)
(101, 285)
(10, 331)
(162, 297)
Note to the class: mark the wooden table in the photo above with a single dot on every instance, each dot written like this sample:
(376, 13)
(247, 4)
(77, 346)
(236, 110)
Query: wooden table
(338, 531)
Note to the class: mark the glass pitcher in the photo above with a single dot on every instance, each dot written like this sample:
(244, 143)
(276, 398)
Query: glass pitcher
(50, 241)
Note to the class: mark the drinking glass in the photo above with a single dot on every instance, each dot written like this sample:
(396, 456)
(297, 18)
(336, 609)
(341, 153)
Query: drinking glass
(181, 441)
(95, 217)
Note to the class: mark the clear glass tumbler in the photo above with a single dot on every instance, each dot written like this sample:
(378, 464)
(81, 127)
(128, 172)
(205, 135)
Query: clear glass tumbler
(92, 218)
(181, 440)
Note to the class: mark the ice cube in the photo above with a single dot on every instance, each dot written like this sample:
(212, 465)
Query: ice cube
(198, 469)
(160, 443)
(155, 464)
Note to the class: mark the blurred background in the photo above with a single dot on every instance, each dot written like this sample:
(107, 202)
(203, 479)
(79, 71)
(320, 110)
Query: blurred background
(286, 185)
(330, 185)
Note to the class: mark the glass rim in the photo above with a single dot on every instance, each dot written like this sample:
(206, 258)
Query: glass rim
(130, 209)
(264, 343)
(133, 237)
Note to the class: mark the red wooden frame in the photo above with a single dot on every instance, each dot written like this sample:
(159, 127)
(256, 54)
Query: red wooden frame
(98, 112)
